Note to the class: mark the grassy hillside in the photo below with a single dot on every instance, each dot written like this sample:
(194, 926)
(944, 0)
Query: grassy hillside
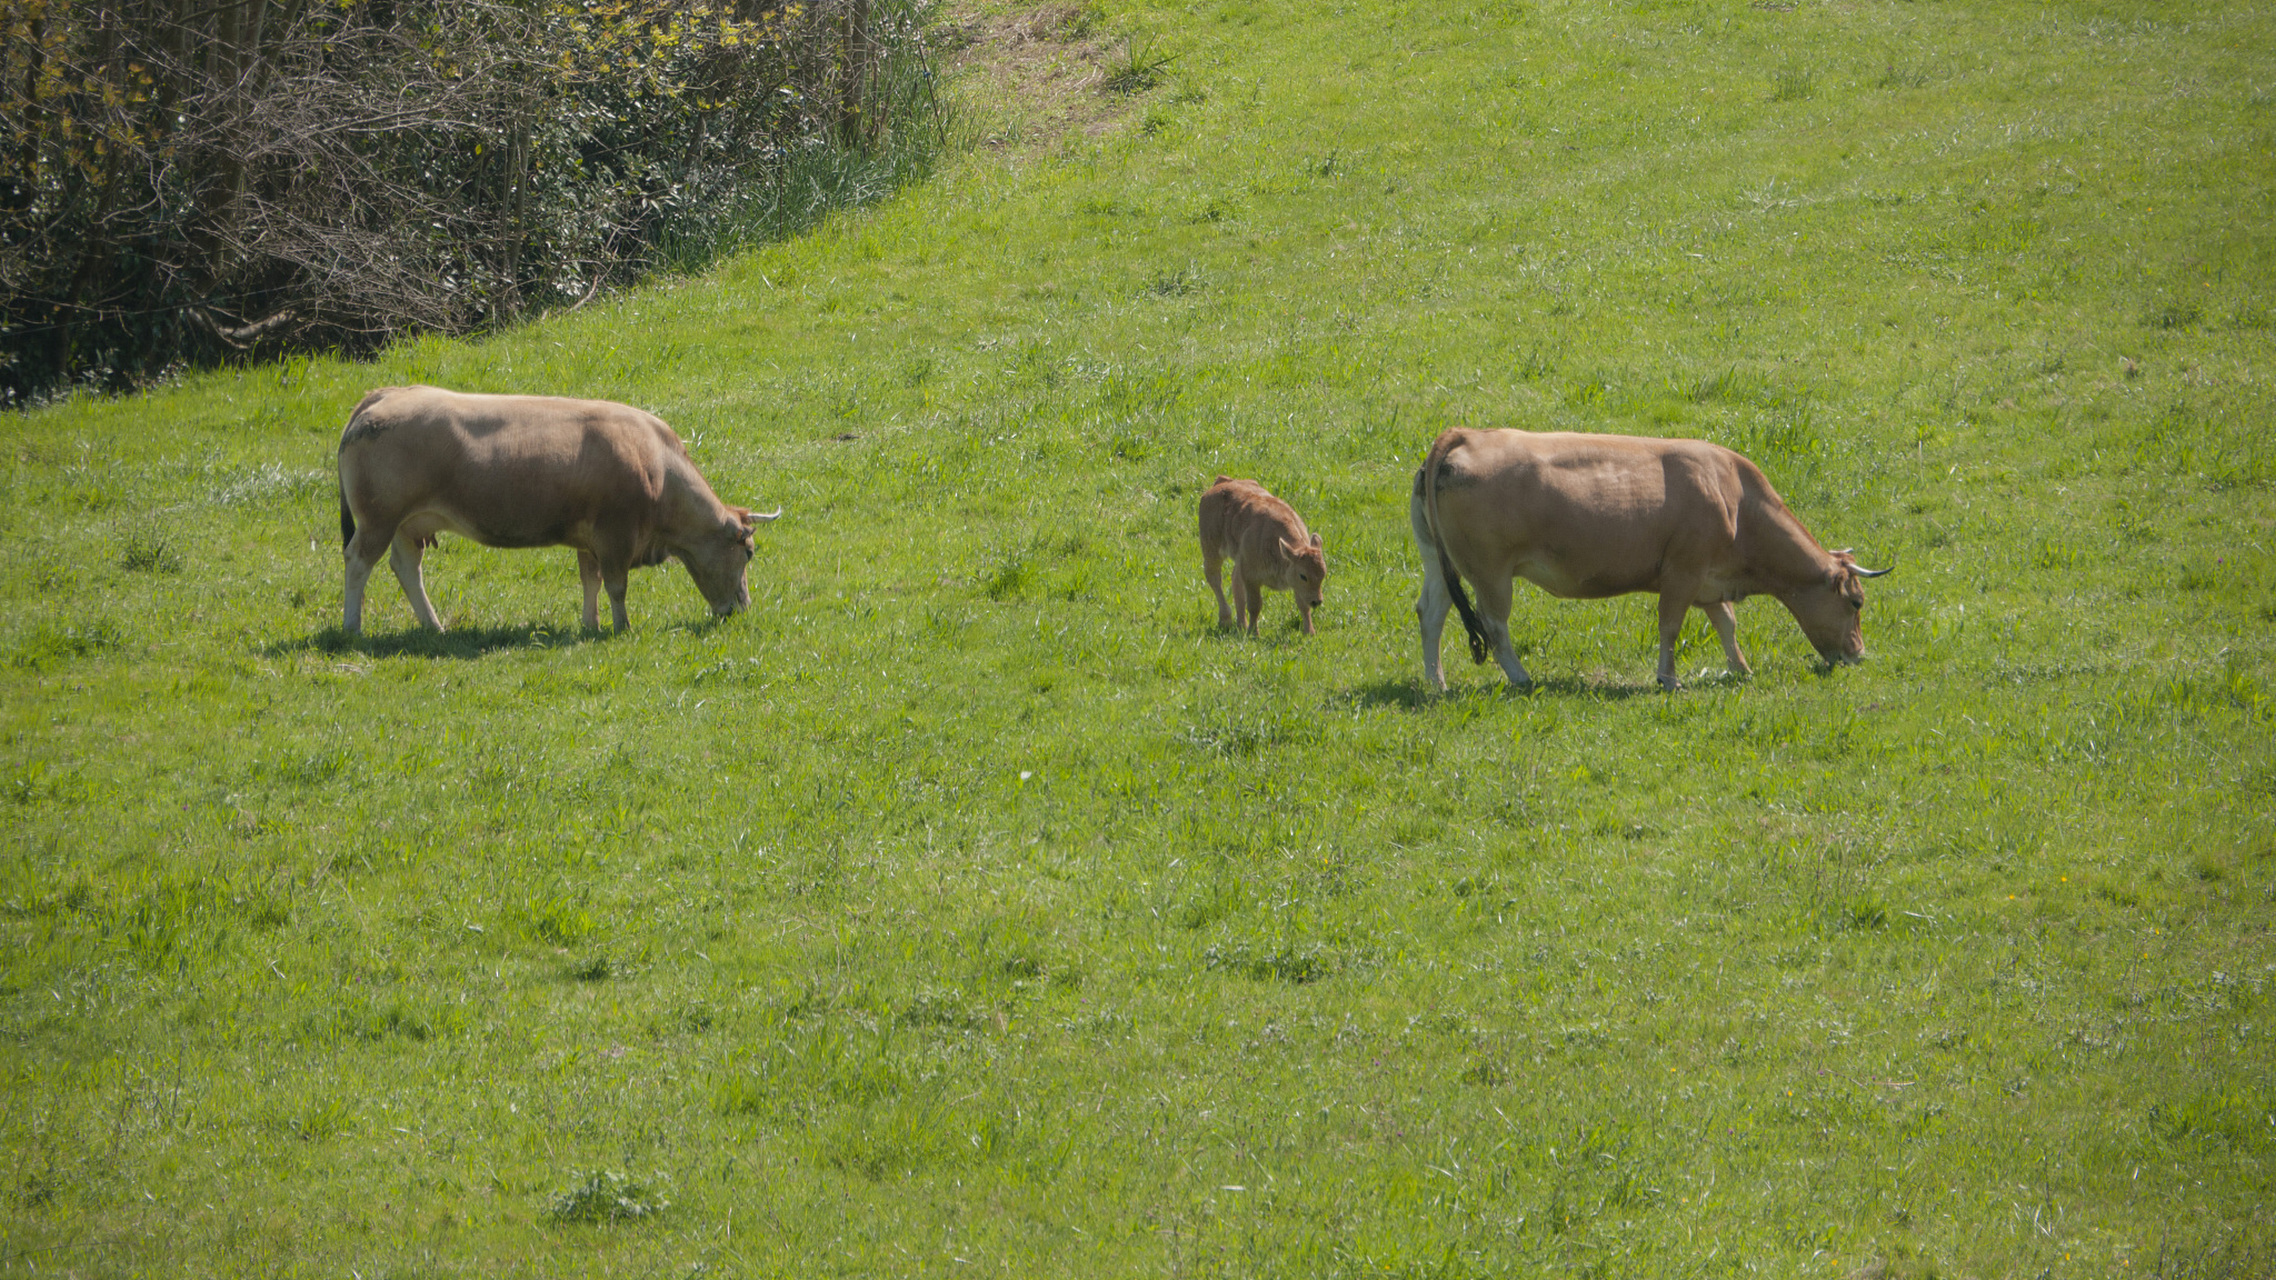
(971, 906)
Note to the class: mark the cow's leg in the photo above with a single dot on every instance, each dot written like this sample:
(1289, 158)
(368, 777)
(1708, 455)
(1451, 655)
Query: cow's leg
(1727, 630)
(589, 572)
(1240, 589)
(1432, 604)
(1430, 612)
(362, 555)
(1255, 595)
(1673, 605)
(613, 577)
(1493, 615)
(1212, 567)
(404, 558)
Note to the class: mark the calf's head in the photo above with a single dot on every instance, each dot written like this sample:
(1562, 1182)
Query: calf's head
(1307, 570)
(717, 555)
(1831, 610)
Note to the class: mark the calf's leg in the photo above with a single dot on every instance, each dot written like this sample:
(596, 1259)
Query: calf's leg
(1254, 592)
(404, 558)
(1212, 564)
(1727, 630)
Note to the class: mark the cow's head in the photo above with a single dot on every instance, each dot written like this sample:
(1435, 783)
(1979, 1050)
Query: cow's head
(717, 556)
(1307, 573)
(1831, 610)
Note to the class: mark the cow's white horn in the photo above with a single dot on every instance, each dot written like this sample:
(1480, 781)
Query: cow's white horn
(1872, 573)
(757, 518)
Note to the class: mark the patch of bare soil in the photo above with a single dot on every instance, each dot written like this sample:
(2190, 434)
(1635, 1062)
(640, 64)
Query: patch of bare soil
(1024, 77)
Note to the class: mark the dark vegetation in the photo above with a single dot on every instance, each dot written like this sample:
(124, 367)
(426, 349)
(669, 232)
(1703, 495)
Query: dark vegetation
(186, 181)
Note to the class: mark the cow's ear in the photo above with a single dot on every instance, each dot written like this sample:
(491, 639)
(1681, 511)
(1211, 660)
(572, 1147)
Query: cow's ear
(1290, 549)
(1315, 540)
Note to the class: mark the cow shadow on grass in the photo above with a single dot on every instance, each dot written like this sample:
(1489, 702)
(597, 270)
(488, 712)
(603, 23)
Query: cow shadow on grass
(462, 643)
(1411, 694)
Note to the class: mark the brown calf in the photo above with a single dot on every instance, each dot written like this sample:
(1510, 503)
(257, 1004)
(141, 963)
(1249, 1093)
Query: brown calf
(1269, 547)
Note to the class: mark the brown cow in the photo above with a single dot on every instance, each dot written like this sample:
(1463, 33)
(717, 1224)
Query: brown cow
(1269, 547)
(531, 471)
(1589, 516)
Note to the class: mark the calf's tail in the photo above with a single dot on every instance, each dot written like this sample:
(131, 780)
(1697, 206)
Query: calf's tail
(347, 520)
(1428, 482)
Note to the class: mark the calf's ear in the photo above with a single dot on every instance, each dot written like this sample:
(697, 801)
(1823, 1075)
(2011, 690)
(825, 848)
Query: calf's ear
(1315, 539)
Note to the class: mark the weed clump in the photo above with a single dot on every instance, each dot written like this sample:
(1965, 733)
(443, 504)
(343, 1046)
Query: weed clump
(1175, 283)
(1287, 964)
(1141, 67)
(1794, 84)
(50, 645)
(607, 1196)
(149, 553)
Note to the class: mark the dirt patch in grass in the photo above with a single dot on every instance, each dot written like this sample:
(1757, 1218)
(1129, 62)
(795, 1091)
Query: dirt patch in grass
(1026, 76)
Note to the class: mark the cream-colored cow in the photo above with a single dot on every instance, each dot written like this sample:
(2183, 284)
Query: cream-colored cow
(1588, 516)
(531, 471)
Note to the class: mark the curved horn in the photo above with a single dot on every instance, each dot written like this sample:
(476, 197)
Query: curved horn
(757, 518)
(1849, 556)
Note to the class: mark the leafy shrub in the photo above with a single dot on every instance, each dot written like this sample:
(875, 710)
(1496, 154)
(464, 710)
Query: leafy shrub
(199, 182)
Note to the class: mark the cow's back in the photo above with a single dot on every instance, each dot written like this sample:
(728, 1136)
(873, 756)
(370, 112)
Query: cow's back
(1581, 514)
(1234, 512)
(505, 470)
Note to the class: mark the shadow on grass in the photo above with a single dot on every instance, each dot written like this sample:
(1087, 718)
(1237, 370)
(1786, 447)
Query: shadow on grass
(418, 642)
(702, 626)
(1411, 694)
(1279, 633)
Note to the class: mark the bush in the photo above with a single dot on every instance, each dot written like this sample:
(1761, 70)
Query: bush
(194, 181)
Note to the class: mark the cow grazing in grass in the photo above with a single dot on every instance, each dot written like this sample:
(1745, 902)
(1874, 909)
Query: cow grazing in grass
(1269, 547)
(531, 471)
(1589, 516)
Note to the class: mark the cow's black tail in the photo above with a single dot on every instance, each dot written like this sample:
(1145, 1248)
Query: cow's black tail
(347, 520)
(1428, 481)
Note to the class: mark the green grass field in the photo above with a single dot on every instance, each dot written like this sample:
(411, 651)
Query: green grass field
(970, 906)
